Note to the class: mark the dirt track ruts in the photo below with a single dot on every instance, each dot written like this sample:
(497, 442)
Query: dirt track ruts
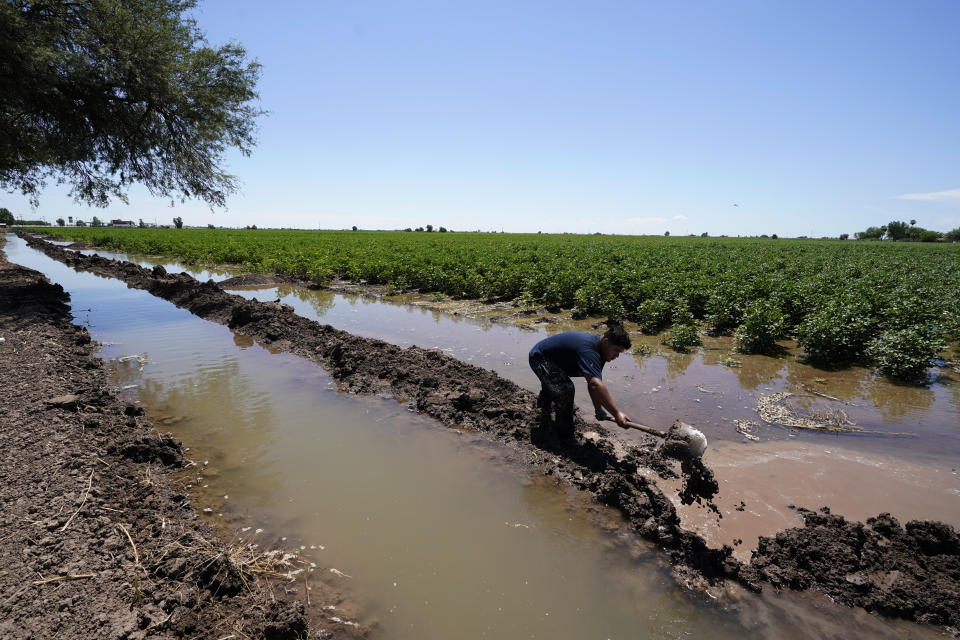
(911, 572)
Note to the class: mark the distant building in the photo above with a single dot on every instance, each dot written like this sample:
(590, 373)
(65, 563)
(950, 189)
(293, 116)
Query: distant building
(123, 223)
(81, 223)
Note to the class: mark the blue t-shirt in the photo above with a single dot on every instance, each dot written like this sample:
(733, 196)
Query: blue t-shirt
(576, 352)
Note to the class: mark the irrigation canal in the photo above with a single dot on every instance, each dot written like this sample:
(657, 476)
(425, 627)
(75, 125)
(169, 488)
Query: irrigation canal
(438, 533)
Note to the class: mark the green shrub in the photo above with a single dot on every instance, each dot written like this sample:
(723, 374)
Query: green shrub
(724, 311)
(763, 324)
(836, 334)
(906, 353)
(654, 314)
(684, 333)
(682, 336)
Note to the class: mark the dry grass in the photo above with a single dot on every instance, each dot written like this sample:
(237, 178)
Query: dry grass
(775, 409)
(747, 429)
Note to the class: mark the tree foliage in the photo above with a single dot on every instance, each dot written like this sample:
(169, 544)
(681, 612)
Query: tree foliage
(103, 94)
(6, 216)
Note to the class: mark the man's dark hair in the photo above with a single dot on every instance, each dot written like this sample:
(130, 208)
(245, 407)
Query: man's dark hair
(617, 335)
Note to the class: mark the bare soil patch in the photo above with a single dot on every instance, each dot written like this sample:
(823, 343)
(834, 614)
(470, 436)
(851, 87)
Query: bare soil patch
(462, 395)
(95, 541)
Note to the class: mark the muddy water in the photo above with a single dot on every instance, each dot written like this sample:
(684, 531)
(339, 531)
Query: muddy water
(911, 475)
(439, 531)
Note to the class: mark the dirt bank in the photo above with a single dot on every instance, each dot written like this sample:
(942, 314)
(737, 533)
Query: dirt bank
(96, 542)
(459, 394)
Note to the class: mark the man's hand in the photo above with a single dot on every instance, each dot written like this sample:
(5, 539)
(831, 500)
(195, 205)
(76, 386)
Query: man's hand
(621, 418)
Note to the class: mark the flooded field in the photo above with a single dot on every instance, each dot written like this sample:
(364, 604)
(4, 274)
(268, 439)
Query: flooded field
(712, 388)
(442, 535)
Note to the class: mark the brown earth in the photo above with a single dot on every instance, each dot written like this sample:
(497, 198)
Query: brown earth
(95, 541)
(910, 573)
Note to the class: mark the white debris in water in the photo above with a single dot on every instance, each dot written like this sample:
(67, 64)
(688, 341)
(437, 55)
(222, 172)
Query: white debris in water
(337, 572)
(746, 427)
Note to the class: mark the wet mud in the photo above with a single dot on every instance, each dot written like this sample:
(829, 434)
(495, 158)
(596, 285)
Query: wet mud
(97, 541)
(253, 280)
(462, 395)
(906, 571)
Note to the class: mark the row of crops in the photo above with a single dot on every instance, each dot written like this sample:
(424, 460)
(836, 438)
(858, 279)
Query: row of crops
(891, 305)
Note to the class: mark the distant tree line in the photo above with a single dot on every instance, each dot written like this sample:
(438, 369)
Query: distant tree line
(428, 229)
(900, 231)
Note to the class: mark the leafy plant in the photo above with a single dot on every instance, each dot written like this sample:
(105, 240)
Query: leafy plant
(684, 333)
(654, 314)
(905, 353)
(837, 334)
(763, 324)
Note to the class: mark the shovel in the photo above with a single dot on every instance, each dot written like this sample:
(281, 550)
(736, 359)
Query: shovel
(681, 440)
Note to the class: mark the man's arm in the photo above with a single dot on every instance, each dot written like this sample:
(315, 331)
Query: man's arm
(601, 398)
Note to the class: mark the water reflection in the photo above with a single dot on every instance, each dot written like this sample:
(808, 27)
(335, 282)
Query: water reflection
(758, 371)
(896, 400)
(320, 301)
(676, 364)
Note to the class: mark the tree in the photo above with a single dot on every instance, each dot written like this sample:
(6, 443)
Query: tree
(429, 228)
(61, 222)
(178, 222)
(141, 224)
(354, 227)
(844, 236)
(666, 234)
(101, 95)
(774, 236)
(6, 216)
(96, 222)
(913, 222)
(896, 230)
(953, 235)
(442, 230)
(872, 233)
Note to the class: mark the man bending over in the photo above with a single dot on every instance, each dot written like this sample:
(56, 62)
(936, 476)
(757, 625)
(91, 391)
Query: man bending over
(574, 353)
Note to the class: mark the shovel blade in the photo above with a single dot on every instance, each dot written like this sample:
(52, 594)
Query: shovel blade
(696, 441)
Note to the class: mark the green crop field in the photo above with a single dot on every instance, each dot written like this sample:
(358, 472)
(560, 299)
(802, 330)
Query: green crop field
(892, 305)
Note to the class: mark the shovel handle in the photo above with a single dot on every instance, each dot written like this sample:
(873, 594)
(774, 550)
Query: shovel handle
(640, 427)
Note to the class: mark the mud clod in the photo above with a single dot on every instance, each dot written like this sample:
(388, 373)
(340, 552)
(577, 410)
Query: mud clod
(909, 572)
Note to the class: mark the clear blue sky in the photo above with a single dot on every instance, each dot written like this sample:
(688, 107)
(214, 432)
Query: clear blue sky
(813, 117)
